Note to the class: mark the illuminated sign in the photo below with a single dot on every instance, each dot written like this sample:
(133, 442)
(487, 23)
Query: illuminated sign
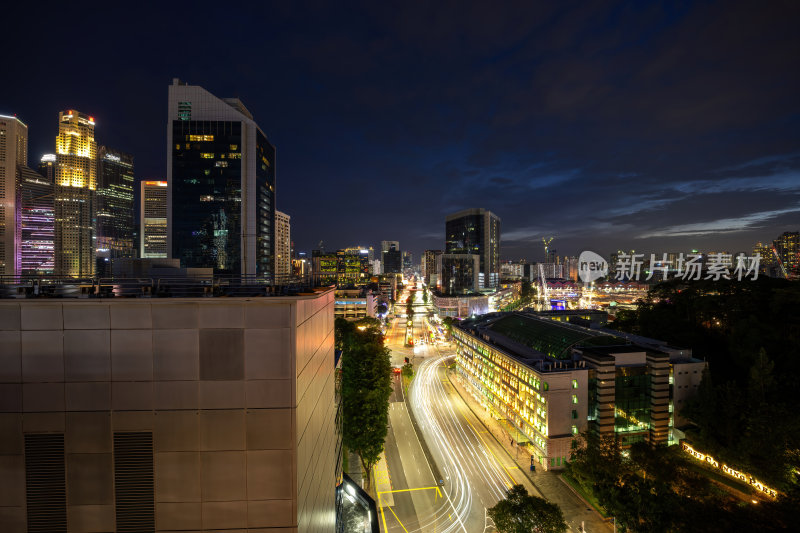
(156, 183)
(741, 476)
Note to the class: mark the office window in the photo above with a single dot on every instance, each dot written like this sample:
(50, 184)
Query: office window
(574, 398)
(574, 383)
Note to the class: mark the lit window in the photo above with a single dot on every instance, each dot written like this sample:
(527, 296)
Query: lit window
(574, 398)
(574, 383)
(207, 155)
(201, 138)
(221, 164)
(234, 147)
(574, 430)
(207, 198)
(234, 155)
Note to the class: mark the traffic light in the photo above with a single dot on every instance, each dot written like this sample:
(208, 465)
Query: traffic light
(406, 360)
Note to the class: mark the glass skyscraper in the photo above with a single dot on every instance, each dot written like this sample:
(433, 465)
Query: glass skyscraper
(476, 231)
(115, 203)
(221, 185)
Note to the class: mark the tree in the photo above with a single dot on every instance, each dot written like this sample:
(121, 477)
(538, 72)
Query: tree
(520, 512)
(425, 296)
(366, 386)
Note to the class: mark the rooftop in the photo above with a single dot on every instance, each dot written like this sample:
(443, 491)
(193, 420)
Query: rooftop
(552, 338)
(154, 287)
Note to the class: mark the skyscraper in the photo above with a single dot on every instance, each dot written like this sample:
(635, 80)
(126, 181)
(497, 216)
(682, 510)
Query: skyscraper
(153, 220)
(221, 192)
(787, 248)
(47, 167)
(391, 257)
(283, 244)
(35, 218)
(460, 273)
(13, 152)
(115, 203)
(75, 185)
(476, 231)
(429, 264)
(387, 245)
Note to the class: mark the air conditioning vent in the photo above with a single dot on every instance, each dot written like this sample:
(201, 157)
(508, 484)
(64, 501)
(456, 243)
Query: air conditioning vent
(45, 480)
(133, 482)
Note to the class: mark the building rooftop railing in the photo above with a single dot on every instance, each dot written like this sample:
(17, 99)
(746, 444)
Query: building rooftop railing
(24, 287)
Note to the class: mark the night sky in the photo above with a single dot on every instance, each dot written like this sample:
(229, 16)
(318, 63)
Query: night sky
(659, 126)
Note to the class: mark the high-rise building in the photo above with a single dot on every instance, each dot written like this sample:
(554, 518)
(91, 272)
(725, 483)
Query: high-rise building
(13, 153)
(35, 223)
(408, 260)
(47, 167)
(459, 273)
(153, 220)
(221, 176)
(389, 245)
(392, 261)
(283, 244)
(75, 185)
(787, 248)
(476, 231)
(429, 264)
(114, 212)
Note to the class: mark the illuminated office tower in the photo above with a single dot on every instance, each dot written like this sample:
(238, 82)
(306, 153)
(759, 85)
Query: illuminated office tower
(47, 167)
(787, 249)
(115, 203)
(75, 185)
(476, 231)
(283, 245)
(221, 185)
(13, 152)
(35, 218)
(153, 221)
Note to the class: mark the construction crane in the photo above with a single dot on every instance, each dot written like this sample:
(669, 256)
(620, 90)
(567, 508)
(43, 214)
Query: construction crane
(547, 241)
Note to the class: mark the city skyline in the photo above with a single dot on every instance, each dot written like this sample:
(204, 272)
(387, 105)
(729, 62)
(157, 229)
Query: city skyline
(620, 118)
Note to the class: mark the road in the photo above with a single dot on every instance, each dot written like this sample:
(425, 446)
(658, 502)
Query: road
(474, 467)
(474, 470)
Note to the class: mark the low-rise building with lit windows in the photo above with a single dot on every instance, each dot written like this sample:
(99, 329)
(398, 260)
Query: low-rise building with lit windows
(355, 304)
(546, 381)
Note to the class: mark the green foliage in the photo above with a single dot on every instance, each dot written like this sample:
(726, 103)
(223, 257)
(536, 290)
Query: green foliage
(425, 296)
(366, 386)
(408, 370)
(661, 490)
(749, 332)
(520, 512)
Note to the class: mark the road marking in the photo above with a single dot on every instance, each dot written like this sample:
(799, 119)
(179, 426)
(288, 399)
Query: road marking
(398, 520)
(409, 490)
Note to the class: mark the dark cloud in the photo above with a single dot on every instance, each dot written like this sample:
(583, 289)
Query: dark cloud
(598, 123)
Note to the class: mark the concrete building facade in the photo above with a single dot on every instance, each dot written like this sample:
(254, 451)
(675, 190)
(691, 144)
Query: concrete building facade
(168, 414)
(548, 381)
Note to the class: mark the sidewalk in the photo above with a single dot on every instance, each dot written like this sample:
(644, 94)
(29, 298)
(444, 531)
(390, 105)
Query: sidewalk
(549, 485)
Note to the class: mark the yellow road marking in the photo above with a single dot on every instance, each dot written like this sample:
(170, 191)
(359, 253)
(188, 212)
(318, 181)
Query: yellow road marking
(383, 515)
(398, 520)
(408, 490)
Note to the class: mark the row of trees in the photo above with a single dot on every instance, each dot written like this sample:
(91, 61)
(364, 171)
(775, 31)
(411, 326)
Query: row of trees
(365, 389)
(745, 412)
(659, 490)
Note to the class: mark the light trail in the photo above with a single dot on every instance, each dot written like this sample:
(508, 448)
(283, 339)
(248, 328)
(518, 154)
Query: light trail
(474, 478)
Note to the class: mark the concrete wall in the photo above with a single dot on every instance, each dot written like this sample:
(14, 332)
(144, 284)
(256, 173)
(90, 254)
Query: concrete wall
(238, 394)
